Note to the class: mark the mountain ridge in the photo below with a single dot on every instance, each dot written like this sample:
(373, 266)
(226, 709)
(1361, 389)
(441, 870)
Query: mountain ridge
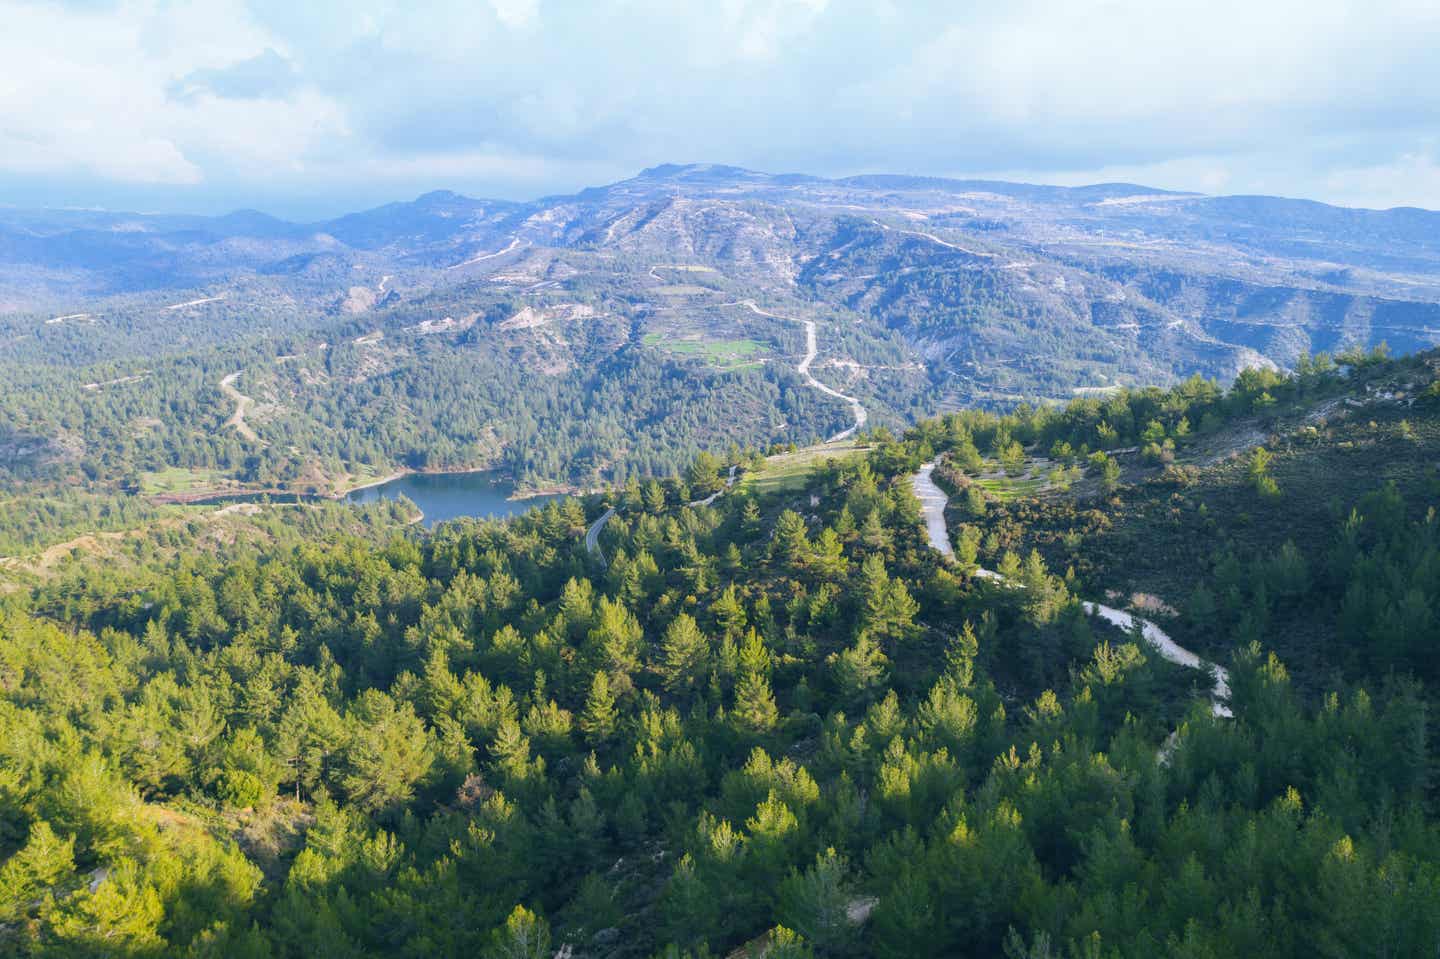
(926, 295)
(680, 172)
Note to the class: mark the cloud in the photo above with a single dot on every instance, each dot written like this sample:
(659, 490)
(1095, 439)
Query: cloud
(1411, 179)
(516, 13)
(151, 93)
(266, 76)
(1327, 97)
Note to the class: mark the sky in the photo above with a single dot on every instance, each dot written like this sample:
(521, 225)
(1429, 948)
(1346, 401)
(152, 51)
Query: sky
(308, 108)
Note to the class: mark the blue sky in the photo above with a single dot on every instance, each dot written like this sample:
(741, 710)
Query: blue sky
(315, 107)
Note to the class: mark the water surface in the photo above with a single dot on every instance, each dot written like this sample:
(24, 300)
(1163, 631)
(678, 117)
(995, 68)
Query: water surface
(443, 496)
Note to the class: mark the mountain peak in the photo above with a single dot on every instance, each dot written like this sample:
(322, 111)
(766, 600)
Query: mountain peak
(699, 171)
(442, 198)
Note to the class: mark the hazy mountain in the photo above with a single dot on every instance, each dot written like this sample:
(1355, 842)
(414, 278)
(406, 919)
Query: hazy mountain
(1003, 289)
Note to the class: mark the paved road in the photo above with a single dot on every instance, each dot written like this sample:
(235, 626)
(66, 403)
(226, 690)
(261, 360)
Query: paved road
(729, 482)
(592, 535)
(514, 242)
(933, 239)
(932, 504)
(812, 349)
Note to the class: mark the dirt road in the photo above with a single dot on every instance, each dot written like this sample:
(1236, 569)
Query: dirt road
(932, 504)
(242, 403)
(812, 349)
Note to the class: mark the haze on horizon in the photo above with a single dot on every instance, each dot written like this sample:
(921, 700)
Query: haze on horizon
(307, 110)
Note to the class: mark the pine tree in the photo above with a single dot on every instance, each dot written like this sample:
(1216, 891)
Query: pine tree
(1109, 475)
(310, 733)
(1012, 459)
(750, 516)
(948, 717)
(524, 936)
(889, 608)
(960, 657)
(790, 543)
(597, 721)
(729, 612)
(1260, 476)
(755, 708)
(633, 499)
(616, 637)
(704, 475)
(389, 751)
(577, 603)
(967, 457)
(684, 654)
(35, 870)
(829, 556)
(121, 917)
(816, 904)
(873, 533)
(511, 750)
(861, 668)
(654, 495)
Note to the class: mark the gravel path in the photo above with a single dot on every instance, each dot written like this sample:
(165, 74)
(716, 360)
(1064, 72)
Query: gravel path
(812, 349)
(932, 504)
(242, 403)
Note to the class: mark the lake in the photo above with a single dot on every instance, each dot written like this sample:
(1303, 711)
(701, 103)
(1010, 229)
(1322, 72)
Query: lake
(443, 496)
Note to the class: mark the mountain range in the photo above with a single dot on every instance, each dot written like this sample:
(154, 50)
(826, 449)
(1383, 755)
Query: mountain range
(586, 327)
(1003, 290)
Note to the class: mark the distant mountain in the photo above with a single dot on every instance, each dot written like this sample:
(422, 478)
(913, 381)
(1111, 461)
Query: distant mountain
(1002, 290)
(434, 217)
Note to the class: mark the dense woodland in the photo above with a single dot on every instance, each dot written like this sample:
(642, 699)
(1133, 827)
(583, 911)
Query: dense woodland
(781, 720)
(93, 410)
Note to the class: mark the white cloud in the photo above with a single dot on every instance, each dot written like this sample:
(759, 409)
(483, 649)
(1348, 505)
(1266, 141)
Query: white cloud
(1196, 71)
(1412, 179)
(90, 93)
(1319, 97)
(762, 27)
(516, 13)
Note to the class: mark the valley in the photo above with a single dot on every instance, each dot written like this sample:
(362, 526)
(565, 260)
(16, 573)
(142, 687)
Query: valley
(807, 700)
(434, 527)
(812, 349)
(576, 340)
(890, 555)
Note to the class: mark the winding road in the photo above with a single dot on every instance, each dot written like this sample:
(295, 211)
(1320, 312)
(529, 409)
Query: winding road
(932, 504)
(199, 302)
(812, 349)
(242, 403)
(592, 535)
(729, 482)
(933, 239)
(514, 243)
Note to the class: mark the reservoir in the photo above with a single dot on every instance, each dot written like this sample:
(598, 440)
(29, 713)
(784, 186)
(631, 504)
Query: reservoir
(443, 496)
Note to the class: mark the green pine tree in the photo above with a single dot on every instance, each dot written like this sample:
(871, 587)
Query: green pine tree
(685, 654)
(597, 721)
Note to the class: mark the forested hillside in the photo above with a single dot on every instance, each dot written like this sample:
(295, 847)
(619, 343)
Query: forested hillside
(781, 721)
(572, 342)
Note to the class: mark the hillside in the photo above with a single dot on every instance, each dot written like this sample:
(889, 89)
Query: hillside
(775, 718)
(576, 340)
(1258, 527)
